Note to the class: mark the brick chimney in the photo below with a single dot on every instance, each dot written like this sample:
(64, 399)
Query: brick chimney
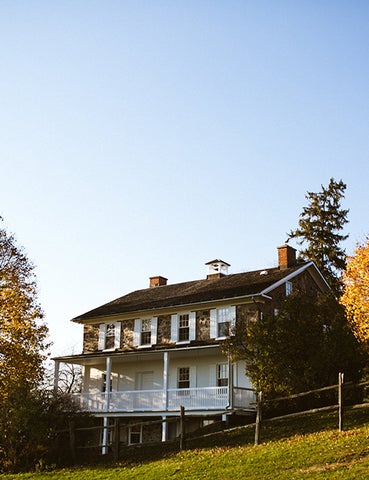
(286, 256)
(158, 281)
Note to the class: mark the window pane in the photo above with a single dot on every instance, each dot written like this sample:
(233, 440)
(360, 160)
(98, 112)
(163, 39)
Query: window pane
(183, 327)
(110, 336)
(184, 377)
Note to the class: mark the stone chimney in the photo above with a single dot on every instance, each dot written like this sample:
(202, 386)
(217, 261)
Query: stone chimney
(158, 281)
(217, 268)
(286, 256)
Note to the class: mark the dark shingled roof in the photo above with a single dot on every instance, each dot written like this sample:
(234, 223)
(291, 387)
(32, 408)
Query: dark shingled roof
(229, 286)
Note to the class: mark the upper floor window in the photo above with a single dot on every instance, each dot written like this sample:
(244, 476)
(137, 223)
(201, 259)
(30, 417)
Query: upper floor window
(183, 327)
(109, 336)
(222, 321)
(288, 288)
(145, 331)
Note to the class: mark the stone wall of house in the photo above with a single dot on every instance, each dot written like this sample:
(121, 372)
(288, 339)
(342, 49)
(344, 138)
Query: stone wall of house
(127, 332)
(90, 338)
(247, 313)
(164, 330)
(203, 325)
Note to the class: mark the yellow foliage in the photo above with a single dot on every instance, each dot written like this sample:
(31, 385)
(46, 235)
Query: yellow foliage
(356, 291)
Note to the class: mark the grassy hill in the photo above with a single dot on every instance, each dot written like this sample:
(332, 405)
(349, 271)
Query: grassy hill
(311, 453)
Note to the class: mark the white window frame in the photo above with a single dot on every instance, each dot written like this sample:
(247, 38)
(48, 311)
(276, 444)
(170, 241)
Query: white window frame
(134, 430)
(289, 288)
(175, 327)
(138, 330)
(217, 314)
(102, 336)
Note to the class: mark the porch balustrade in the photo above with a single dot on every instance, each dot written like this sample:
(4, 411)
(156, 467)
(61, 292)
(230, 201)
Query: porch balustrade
(206, 398)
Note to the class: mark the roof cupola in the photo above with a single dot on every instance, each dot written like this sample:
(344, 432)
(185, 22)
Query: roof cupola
(217, 268)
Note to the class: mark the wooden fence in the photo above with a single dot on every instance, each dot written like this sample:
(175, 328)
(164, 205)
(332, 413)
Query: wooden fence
(340, 387)
(111, 433)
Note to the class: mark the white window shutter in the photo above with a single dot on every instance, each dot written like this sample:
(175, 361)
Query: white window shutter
(102, 332)
(117, 331)
(193, 382)
(154, 330)
(192, 326)
(174, 328)
(137, 332)
(232, 318)
(213, 323)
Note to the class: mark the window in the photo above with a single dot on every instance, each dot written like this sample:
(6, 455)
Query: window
(146, 332)
(109, 336)
(222, 375)
(288, 288)
(222, 321)
(135, 434)
(183, 327)
(184, 377)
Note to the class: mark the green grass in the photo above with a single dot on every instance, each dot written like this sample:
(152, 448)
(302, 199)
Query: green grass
(310, 454)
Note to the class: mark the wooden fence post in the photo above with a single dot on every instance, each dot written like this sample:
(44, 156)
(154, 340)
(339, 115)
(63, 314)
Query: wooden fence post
(116, 438)
(259, 400)
(340, 401)
(182, 429)
(72, 440)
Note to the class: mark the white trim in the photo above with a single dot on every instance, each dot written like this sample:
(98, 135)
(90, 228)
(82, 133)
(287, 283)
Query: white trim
(154, 330)
(192, 326)
(102, 333)
(293, 275)
(117, 332)
(174, 328)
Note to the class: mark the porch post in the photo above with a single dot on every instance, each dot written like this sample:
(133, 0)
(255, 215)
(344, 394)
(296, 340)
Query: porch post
(165, 381)
(108, 383)
(164, 428)
(56, 375)
(230, 383)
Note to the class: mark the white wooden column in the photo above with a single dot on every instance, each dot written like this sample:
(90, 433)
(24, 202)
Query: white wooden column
(105, 447)
(56, 375)
(164, 431)
(107, 383)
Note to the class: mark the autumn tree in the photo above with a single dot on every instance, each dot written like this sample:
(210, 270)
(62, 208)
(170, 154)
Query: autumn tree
(320, 230)
(23, 343)
(355, 297)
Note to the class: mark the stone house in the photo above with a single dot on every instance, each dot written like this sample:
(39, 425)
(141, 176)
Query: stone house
(151, 351)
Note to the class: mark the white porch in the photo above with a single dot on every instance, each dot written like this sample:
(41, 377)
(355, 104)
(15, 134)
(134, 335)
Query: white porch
(193, 399)
(146, 382)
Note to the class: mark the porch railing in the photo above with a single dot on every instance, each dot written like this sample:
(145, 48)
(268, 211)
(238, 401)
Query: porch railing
(205, 398)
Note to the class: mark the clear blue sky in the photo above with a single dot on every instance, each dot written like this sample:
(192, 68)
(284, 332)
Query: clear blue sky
(143, 138)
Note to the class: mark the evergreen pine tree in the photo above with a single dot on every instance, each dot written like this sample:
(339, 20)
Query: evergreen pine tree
(320, 231)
